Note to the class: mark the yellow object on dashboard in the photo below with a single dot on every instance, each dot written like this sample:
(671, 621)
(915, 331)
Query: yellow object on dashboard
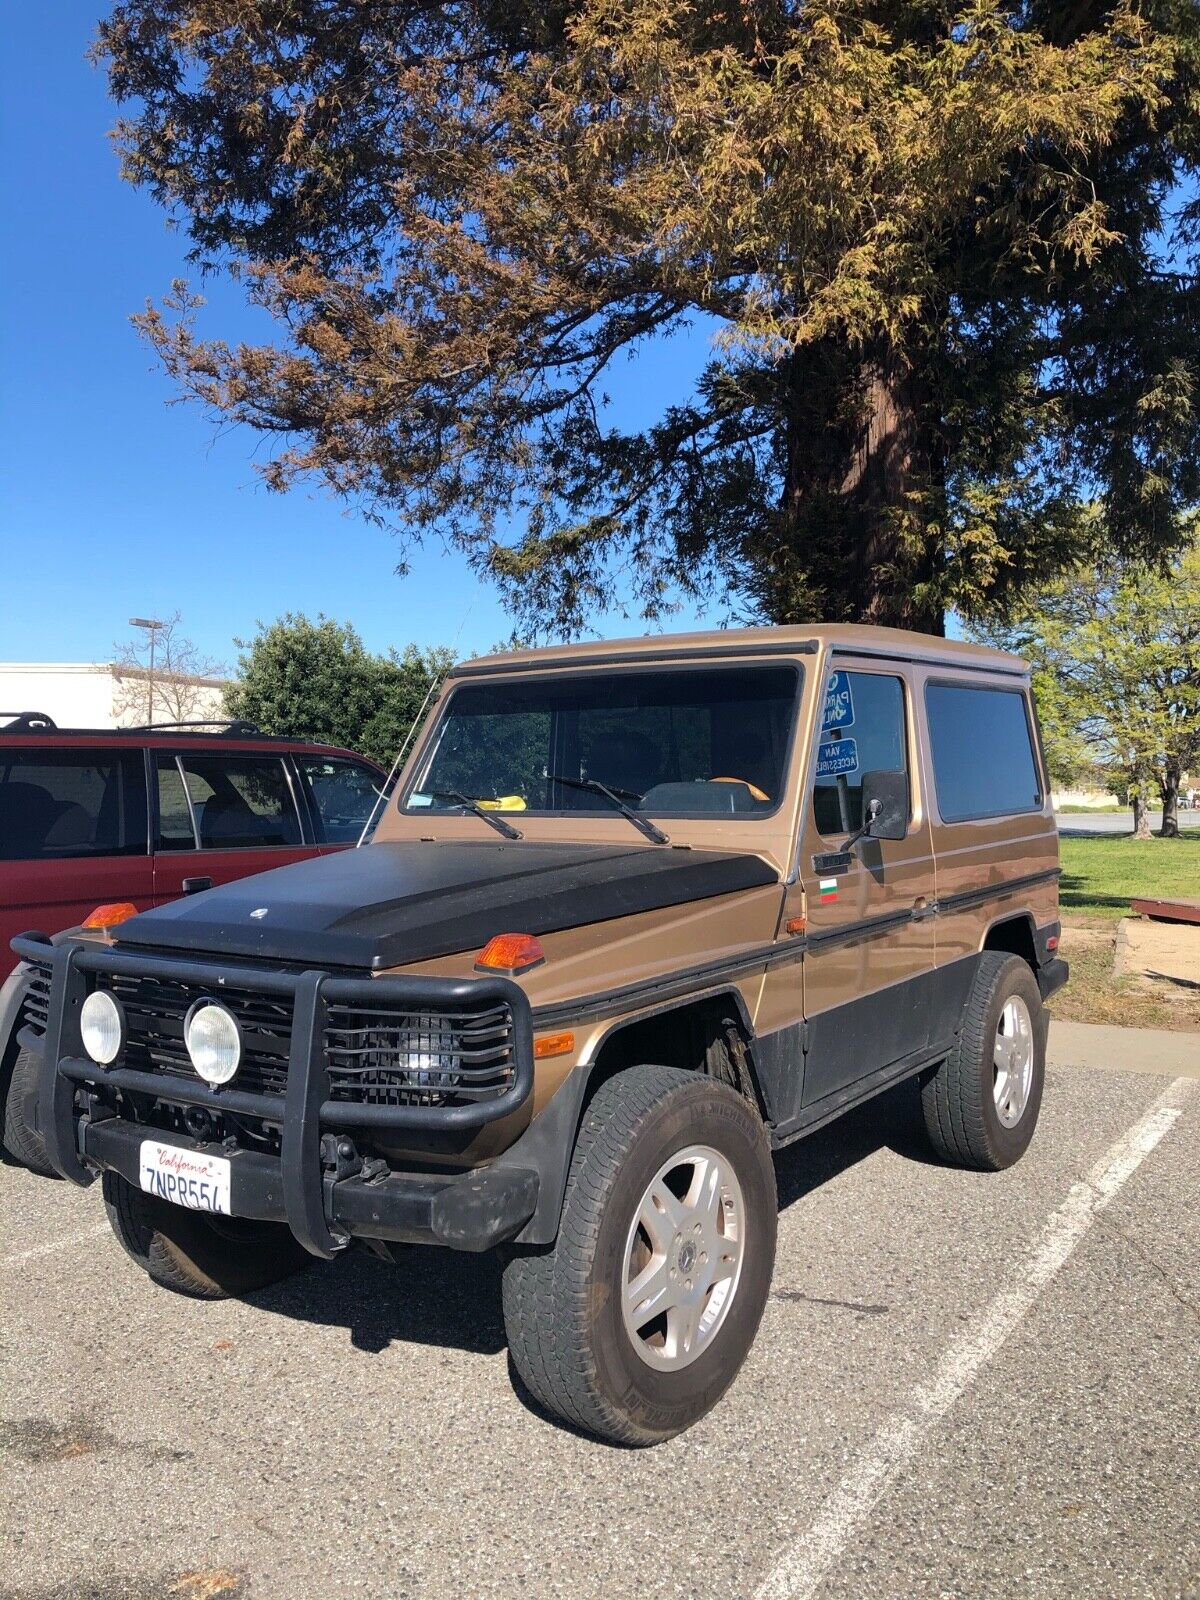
(503, 802)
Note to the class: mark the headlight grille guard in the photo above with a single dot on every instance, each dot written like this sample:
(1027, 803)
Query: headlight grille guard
(306, 1109)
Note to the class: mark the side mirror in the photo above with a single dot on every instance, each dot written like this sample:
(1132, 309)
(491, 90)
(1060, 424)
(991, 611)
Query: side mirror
(885, 805)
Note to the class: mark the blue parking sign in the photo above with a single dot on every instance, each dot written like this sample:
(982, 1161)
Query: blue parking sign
(837, 758)
(839, 703)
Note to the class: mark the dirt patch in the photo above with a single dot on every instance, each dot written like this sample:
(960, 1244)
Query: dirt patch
(39, 1442)
(207, 1583)
(1097, 994)
(204, 1583)
(1158, 955)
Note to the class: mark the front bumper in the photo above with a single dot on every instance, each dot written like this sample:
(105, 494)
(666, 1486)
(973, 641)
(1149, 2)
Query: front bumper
(324, 1195)
(471, 1210)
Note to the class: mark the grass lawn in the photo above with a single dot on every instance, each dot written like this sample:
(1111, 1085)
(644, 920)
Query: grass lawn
(1101, 875)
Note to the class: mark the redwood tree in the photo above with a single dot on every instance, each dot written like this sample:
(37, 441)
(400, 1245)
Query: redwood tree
(934, 247)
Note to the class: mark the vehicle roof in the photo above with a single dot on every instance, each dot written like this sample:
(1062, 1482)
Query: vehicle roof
(892, 643)
(171, 738)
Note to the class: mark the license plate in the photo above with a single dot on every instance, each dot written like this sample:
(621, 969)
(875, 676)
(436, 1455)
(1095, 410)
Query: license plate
(185, 1177)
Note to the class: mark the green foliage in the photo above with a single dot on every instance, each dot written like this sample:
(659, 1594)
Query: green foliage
(935, 243)
(1116, 660)
(316, 680)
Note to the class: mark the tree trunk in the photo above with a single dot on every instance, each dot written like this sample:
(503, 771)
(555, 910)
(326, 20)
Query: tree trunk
(1169, 785)
(854, 546)
(1141, 817)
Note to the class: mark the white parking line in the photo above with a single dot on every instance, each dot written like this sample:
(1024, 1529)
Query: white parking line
(22, 1256)
(802, 1565)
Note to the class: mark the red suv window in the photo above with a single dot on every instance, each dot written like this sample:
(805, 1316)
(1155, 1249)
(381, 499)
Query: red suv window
(344, 795)
(225, 802)
(56, 805)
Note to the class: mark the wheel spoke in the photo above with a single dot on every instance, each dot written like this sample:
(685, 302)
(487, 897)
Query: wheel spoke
(708, 1207)
(650, 1293)
(661, 1215)
(683, 1327)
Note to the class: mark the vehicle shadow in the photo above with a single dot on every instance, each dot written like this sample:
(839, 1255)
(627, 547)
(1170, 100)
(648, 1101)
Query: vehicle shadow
(890, 1121)
(449, 1298)
(435, 1297)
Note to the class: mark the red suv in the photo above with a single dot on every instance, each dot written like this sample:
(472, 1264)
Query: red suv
(89, 816)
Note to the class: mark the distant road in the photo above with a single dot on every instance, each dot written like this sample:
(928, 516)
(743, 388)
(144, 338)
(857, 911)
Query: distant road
(1118, 822)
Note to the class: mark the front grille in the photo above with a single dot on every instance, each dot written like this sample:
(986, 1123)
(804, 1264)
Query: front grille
(381, 1056)
(37, 998)
(155, 1009)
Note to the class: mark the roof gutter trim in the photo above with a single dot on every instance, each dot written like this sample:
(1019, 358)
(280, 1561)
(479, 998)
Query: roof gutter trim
(501, 666)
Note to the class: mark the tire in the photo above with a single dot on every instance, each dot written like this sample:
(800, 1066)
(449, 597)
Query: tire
(564, 1307)
(193, 1255)
(963, 1119)
(21, 1138)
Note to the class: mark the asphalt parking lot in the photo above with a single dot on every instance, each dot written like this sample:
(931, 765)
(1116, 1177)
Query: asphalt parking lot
(963, 1385)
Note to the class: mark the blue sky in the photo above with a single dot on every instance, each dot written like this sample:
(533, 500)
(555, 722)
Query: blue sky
(115, 502)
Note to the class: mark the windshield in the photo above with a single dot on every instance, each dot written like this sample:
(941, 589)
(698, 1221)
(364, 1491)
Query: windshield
(701, 741)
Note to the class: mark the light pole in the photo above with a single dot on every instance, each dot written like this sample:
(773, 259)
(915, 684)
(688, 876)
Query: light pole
(152, 626)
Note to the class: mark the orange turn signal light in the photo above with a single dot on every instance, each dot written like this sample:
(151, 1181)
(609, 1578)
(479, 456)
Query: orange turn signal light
(108, 916)
(510, 953)
(795, 925)
(553, 1044)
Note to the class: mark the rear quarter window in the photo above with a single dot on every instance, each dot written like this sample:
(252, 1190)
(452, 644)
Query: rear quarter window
(981, 740)
(344, 795)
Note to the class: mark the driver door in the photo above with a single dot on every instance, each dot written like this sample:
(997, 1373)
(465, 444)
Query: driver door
(869, 956)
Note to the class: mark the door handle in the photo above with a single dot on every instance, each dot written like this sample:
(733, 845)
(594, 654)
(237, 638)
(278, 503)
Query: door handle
(923, 907)
(196, 885)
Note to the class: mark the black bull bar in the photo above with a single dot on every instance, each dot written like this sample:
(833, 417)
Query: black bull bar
(467, 1210)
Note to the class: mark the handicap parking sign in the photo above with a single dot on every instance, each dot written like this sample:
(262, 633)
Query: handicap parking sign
(837, 758)
(839, 703)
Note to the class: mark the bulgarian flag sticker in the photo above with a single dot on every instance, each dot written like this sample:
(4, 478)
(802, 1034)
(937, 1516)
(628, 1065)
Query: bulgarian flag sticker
(829, 891)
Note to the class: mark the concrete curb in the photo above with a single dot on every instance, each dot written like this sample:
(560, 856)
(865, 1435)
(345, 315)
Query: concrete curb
(1153, 1050)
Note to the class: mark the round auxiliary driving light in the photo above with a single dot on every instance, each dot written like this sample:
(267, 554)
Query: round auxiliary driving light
(102, 1027)
(214, 1041)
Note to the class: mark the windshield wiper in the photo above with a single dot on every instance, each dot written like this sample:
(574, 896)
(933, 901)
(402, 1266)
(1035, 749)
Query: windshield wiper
(594, 786)
(497, 822)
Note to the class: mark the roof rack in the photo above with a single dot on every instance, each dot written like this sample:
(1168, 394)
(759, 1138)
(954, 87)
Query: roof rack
(28, 721)
(235, 727)
(38, 722)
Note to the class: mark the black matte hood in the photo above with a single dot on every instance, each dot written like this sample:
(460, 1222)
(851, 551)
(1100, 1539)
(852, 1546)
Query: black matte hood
(390, 904)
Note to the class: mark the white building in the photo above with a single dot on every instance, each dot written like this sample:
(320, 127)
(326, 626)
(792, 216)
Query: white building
(98, 694)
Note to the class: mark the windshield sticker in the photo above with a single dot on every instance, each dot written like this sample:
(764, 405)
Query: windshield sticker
(420, 799)
(839, 703)
(836, 758)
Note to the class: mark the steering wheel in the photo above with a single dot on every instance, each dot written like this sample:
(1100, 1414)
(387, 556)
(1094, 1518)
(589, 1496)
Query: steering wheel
(753, 787)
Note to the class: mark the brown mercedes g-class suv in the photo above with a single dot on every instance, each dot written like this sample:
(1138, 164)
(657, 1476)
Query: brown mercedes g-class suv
(636, 915)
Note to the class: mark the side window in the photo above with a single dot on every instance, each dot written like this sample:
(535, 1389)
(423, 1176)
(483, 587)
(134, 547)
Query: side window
(239, 803)
(982, 746)
(862, 730)
(344, 794)
(62, 804)
(174, 813)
